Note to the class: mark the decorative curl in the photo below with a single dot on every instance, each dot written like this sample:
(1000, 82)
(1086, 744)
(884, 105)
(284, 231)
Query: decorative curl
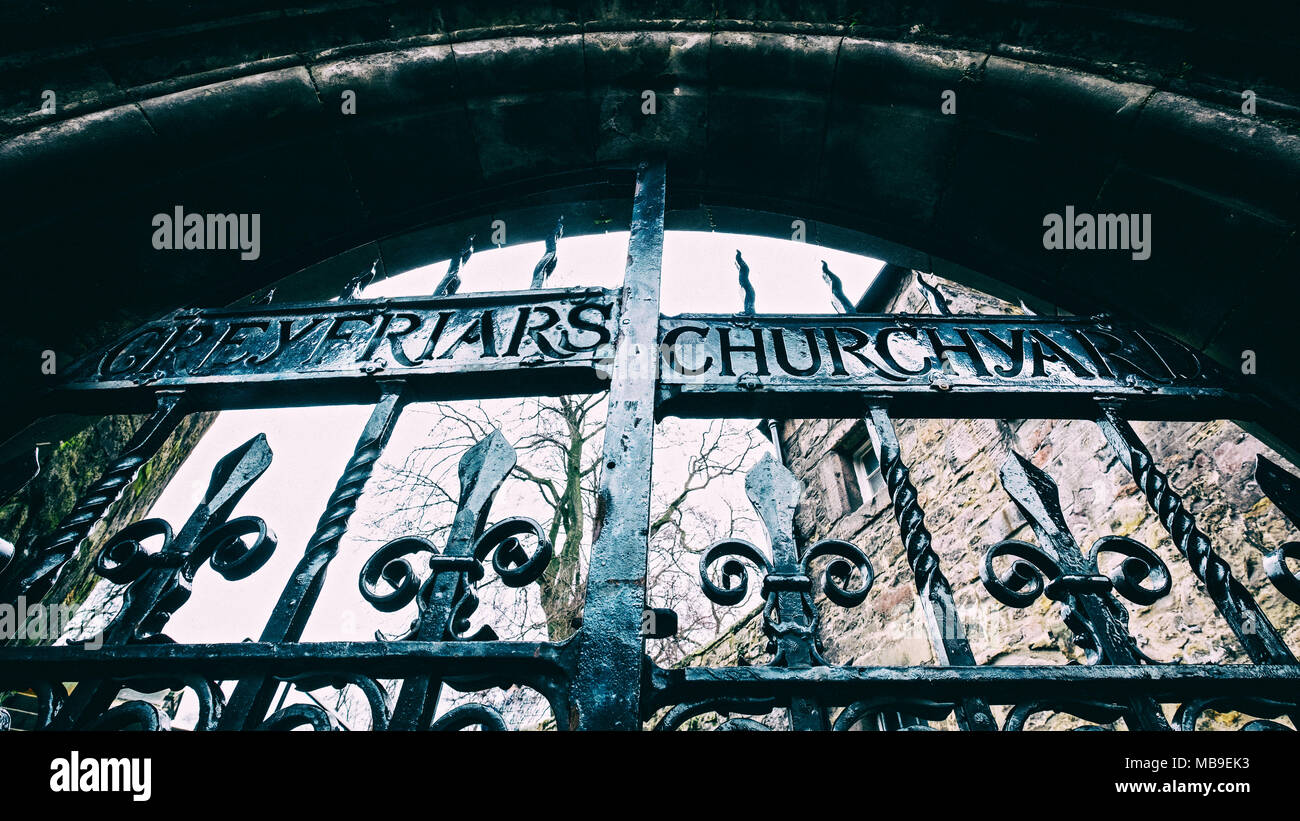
(1140, 563)
(848, 557)
(229, 555)
(510, 560)
(138, 714)
(376, 698)
(869, 708)
(390, 564)
(684, 712)
(735, 576)
(1024, 581)
(1188, 714)
(125, 559)
(1099, 712)
(299, 715)
(483, 716)
(1275, 566)
(742, 725)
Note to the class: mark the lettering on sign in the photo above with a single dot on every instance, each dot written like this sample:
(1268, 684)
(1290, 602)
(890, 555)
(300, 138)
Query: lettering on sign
(959, 356)
(478, 335)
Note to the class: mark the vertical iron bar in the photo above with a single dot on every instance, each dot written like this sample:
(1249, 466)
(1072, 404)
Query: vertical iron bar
(1256, 633)
(947, 636)
(252, 697)
(775, 492)
(34, 577)
(483, 469)
(607, 686)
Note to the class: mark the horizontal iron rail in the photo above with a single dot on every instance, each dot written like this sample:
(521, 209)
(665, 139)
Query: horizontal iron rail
(20, 667)
(999, 685)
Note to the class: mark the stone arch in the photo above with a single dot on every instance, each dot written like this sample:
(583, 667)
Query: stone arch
(825, 114)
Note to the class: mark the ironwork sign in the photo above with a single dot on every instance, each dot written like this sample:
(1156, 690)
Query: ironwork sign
(874, 367)
(974, 365)
(495, 344)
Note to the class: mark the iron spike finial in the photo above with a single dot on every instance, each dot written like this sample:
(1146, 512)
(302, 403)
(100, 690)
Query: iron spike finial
(842, 300)
(237, 471)
(938, 302)
(358, 283)
(1034, 492)
(450, 283)
(745, 285)
(774, 491)
(546, 265)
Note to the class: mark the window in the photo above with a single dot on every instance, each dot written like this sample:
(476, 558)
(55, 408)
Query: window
(866, 469)
(856, 470)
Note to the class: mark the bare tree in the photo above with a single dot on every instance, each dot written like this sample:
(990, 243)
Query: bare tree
(558, 442)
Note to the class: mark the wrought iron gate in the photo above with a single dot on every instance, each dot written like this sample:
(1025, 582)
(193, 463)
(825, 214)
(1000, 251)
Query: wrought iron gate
(549, 341)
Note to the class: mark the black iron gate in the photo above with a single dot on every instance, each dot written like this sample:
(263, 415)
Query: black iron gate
(550, 341)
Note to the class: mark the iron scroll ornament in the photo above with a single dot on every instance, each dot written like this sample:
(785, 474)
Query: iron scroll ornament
(790, 617)
(160, 581)
(1283, 489)
(1059, 569)
(510, 561)
(445, 596)
(790, 624)
(1034, 572)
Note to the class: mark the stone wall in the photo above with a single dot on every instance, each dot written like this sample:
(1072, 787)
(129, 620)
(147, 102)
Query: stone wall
(954, 467)
(69, 466)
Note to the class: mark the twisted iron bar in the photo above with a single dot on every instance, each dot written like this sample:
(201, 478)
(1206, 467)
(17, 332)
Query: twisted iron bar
(35, 576)
(252, 697)
(1256, 633)
(937, 601)
(333, 523)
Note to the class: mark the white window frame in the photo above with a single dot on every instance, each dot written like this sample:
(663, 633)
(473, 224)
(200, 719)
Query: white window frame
(866, 468)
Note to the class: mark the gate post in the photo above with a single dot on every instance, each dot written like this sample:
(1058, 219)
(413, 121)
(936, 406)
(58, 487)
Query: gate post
(606, 689)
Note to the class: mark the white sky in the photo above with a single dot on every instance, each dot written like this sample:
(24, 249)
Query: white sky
(312, 445)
